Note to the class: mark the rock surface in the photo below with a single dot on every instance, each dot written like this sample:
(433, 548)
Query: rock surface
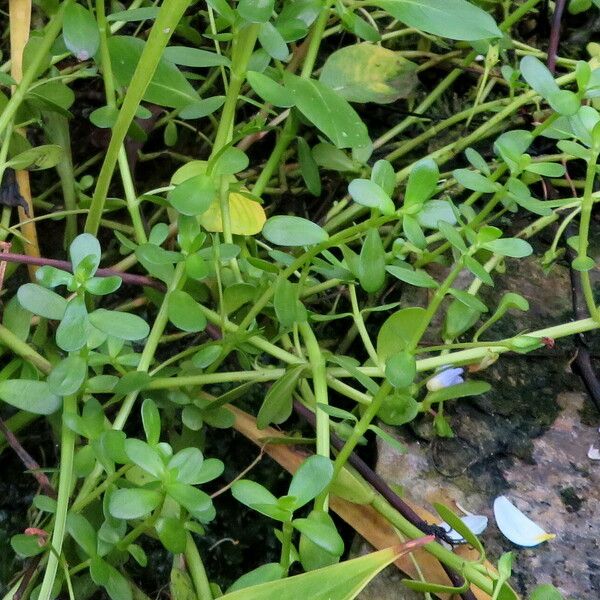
(527, 439)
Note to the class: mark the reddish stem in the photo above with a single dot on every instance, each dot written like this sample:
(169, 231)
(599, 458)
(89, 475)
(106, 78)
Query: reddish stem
(66, 266)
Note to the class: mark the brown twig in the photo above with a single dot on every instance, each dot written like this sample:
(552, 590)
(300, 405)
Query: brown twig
(66, 266)
(29, 462)
(554, 42)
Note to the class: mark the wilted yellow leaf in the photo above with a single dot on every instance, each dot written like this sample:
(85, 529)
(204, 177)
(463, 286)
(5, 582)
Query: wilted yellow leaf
(247, 216)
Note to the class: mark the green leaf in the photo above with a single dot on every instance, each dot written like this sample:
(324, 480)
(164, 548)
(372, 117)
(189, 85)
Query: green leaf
(131, 382)
(133, 14)
(184, 312)
(133, 503)
(398, 331)
(81, 530)
(145, 457)
(37, 159)
(422, 182)
(52, 277)
(102, 286)
(477, 269)
(262, 574)
(269, 90)
(30, 395)
(255, 11)
(413, 232)
(172, 534)
(195, 501)
(80, 32)
(458, 525)
(452, 236)
(151, 421)
(168, 86)
(230, 161)
(285, 230)
(81, 247)
(320, 529)
(546, 169)
(328, 112)
(369, 73)
(514, 247)
(194, 196)
(272, 42)
(72, 333)
(122, 325)
(454, 19)
(398, 408)
(308, 167)
(368, 193)
(460, 390)
(537, 75)
(206, 356)
(469, 300)
(583, 263)
(342, 581)
(389, 439)
(418, 277)
(401, 369)
(67, 376)
(252, 494)
(311, 478)
(288, 307)
(202, 108)
(477, 160)
(194, 57)
(435, 211)
(371, 266)
(41, 301)
(459, 318)
(277, 405)
(546, 592)
(26, 545)
(330, 157)
(115, 584)
(384, 176)
(475, 181)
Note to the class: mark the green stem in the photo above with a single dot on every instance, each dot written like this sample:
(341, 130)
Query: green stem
(197, 571)
(167, 19)
(584, 229)
(437, 299)
(360, 428)
(288, 133)
(286, 545)
(67, 450)
(359, 323)
(319, 374)
(243, 46)
(24, 350)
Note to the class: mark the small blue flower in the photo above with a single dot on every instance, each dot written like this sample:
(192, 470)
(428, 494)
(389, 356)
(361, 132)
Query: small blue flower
(446, 378)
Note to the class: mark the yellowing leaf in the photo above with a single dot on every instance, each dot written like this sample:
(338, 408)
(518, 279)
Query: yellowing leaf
(247, 216)
(368, 73)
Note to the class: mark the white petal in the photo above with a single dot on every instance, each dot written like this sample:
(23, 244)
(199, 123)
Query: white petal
(476, 523)
(517, 527)
(593, 453)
